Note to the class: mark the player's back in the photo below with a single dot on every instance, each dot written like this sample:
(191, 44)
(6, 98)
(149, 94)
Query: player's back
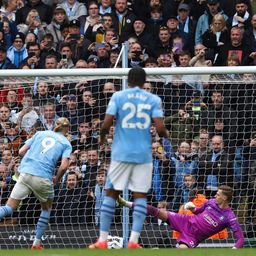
(45, 149)
(134, 109)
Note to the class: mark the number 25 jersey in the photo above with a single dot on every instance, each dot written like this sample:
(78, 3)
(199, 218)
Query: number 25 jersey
(134, 109)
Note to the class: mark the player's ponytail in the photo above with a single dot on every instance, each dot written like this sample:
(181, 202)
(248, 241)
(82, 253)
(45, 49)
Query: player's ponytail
(61, 124)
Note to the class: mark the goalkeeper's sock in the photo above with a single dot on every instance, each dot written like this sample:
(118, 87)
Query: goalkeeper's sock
(107, 212)
(139, 215)
(5, 211)
(42, 223)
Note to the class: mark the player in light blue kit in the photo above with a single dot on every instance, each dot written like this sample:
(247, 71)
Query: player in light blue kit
(131, 157)
(37, 169)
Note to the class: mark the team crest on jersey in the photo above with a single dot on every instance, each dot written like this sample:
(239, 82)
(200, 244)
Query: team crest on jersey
(221, 218)
(209, 207)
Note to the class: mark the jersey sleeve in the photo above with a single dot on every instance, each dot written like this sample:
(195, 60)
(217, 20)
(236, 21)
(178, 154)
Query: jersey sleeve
(67, 151)
(235, 227)
(112, 105)
(30, 141)
(157, 110)
(200, 209)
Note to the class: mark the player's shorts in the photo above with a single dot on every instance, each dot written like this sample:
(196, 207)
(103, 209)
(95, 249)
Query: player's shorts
(181, 223)
(137, 177)
(27, 183)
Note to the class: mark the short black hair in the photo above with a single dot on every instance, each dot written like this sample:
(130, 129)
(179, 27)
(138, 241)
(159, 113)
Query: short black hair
(136, 77)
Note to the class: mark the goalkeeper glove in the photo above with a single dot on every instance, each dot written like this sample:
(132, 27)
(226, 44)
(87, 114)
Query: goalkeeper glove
(189, 206)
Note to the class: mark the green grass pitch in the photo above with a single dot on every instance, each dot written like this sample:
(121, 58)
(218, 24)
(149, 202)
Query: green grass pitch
(139, 252)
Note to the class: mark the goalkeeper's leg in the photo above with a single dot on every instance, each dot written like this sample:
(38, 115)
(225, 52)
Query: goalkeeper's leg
(151, 210)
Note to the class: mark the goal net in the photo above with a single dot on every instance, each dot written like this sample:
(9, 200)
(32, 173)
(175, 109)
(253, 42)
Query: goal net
(211, 119)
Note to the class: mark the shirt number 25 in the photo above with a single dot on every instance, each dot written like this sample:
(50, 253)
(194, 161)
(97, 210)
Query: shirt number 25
(138, 112)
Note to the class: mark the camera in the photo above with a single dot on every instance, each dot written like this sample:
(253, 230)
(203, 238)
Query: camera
(74, 36)
(64, 57)
(31, 54)
(137, 55)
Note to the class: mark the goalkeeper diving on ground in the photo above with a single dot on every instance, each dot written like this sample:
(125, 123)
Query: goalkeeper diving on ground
(212, 217)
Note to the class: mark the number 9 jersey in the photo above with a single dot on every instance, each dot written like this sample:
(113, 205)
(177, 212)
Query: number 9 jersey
(45, 149)
(134, 109)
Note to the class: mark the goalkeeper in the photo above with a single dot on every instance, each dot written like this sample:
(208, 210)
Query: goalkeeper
(212, 217)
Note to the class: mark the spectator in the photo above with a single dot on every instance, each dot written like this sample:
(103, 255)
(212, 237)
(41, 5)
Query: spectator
(45, 11)
(181, 127)
(10, 30)
(235, 47)
(156, 20)
(33, 60)
(70, 202)
(215, 168)
(79, 44)
(203, 143)
(81, 64)
(186, 25)
(5, 62)
(51, 62)
(59, 18)
(73, 9)
(93, 21)
(215, 37)
(105, 7)
(121, 16)
(17, 52)
(249, 35)
(9, 8)
(143, 36)
(136, 55)
(99, 193)
(241, 18)
(48, 116)
(203, 24)
(33, 24)
(162, 175)
(181, 195)
(12, 101)
(84, 139)
(66, 57)
(184, 163)
(27, 117)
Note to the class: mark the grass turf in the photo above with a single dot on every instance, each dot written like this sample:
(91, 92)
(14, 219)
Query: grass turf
(124, 252)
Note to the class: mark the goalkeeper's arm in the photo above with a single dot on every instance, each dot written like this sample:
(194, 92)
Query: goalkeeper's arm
(151, 210)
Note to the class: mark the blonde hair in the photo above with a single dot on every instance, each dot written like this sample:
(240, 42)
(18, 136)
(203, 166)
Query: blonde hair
(218, 17)
(32, 12)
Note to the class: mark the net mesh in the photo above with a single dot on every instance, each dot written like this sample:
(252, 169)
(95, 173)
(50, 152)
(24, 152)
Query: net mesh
(200, 116)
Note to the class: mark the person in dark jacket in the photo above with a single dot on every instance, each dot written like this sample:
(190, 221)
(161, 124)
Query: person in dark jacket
(5, 62)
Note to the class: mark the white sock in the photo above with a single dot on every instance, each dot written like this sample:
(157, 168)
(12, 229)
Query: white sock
(103, 236)
(37, 242)
(134, 237)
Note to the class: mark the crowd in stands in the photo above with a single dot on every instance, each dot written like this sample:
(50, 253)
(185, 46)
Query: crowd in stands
(211, 118)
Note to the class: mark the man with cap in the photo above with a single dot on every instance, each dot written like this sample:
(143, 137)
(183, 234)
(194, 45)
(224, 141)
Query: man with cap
(17, 52)
(79, 44)
(73, 8)
(92, 61)
(143, 36)
(37, 173)
(205, 20)
(5, 62)
(186, 25)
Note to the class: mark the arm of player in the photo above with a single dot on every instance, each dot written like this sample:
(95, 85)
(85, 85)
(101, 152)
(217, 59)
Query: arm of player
(199, 210)
(239, 239)
(161, 130)
(108, 121)
(62, 169)
(23, 150)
